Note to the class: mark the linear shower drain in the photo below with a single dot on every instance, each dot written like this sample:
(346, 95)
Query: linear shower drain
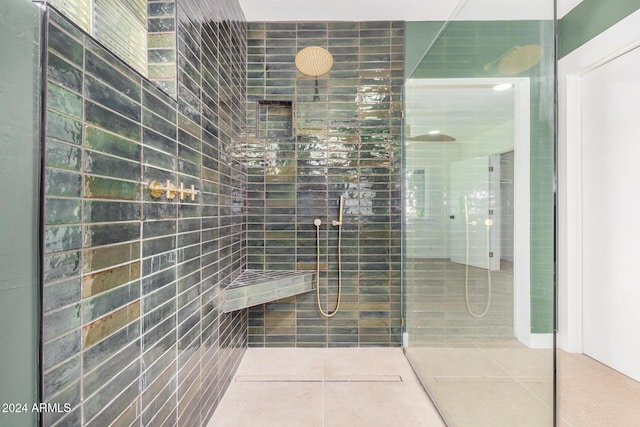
(338, 379)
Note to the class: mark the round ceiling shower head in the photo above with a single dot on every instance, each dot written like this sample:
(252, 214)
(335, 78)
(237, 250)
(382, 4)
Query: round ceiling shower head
(429, 137)
(314, 61)
(520, 59)
(517, 59)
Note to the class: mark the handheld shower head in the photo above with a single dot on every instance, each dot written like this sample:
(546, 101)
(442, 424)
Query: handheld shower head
(341, 208)
(317, 222)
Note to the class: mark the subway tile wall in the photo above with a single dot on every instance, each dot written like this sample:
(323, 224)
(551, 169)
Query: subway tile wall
(133, 329)
(310, 141)
(161, 44)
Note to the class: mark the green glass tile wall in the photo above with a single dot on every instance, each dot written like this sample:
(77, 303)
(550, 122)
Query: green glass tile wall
(133, 331)
(462, 51)
(590, 18)
(346, 140)
(161, 44)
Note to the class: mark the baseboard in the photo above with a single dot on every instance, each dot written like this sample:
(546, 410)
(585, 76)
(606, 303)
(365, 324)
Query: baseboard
(537, 340)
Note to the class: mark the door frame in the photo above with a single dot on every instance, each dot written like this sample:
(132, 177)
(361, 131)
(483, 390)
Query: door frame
(612, 43)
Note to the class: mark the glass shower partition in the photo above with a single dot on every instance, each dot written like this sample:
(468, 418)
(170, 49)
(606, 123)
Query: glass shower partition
(478, 194)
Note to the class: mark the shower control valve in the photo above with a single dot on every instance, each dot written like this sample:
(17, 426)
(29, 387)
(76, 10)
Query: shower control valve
(156, 190)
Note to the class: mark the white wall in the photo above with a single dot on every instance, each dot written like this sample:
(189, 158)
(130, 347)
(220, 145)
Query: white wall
(496, 140)
(611, 43)
(427, 237)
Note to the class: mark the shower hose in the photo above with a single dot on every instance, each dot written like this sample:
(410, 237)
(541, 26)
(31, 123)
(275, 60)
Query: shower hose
(338, 224)
(488, 223)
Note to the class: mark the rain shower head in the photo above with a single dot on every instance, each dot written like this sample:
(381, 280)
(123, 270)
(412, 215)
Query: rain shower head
(517, 59)
(314, 61)
(430, 137)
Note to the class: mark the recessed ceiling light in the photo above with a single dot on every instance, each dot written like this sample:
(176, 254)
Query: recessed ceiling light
(503, 86)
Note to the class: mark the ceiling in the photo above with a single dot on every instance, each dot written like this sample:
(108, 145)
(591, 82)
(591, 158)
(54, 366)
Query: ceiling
(403, 10)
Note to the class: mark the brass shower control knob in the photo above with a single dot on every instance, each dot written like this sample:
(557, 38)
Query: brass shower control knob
(171, 191)
(181, 191)
(156, 190)
(184, 192)
(192, 192)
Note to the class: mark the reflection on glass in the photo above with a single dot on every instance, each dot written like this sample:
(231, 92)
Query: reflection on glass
(416, 200)
(141, 34)
(478, 222)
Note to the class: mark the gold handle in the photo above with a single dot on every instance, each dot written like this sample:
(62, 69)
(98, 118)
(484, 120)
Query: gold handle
(189, 192)
(182, 191)
(171, 191)
(156, 190)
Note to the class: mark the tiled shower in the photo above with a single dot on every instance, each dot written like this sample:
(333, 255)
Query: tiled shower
(135, 328)
(157, 218)
(311, 140)
(179, 196)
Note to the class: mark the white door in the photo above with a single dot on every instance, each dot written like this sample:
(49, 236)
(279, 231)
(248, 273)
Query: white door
(478, 180)
(611, 213)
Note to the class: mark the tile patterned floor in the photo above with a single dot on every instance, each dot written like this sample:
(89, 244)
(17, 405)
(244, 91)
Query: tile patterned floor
(306, 387)
(509, 386)
(504, 384)
(281, 387)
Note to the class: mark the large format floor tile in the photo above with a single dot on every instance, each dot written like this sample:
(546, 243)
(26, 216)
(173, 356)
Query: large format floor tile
(375, 404)
(492, 386)
(303, 364)
(591, 394)
(488, 386)
(362, 364)
(473, 403)
(368, 387)
(282, 404)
